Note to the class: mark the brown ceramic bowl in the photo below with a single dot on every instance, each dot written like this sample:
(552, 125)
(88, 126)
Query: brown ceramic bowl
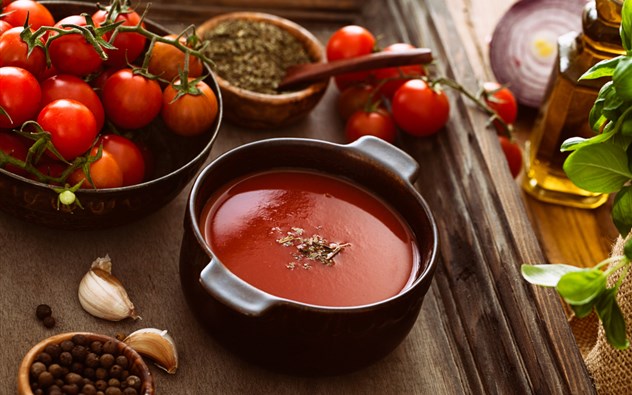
(287, 335)
(176, 161)
(136, 364)
(266, 111)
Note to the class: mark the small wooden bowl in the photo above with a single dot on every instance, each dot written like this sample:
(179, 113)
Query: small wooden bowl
(267, 111)
(137, 365)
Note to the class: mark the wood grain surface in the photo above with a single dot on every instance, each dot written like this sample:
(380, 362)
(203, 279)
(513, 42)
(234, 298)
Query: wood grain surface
(482, 329)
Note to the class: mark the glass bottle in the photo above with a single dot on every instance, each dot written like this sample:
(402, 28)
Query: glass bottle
(565, 110)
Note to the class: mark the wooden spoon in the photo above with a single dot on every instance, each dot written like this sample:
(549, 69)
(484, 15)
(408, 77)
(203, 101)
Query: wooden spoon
(311, 72)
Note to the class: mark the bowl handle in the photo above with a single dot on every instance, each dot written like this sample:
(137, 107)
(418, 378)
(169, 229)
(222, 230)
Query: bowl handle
(234, 292)
(388, 155)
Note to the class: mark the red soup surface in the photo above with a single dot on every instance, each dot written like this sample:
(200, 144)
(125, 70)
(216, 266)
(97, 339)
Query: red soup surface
(311, 238)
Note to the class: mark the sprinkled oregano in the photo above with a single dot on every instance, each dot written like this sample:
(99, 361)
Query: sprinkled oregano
(315, 248)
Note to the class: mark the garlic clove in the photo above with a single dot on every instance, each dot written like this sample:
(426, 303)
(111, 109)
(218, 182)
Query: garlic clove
(156, 344)
(103, 295)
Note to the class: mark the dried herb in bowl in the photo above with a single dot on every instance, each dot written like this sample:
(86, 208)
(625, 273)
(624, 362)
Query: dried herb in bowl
(253, 55)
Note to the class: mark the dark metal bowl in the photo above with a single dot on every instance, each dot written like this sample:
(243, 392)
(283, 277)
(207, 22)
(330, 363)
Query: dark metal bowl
(297, 337)
(177, 160)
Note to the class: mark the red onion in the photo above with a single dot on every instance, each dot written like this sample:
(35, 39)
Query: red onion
(523, 47)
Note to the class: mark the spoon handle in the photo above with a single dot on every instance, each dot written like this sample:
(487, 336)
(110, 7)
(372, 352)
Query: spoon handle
(311, 72)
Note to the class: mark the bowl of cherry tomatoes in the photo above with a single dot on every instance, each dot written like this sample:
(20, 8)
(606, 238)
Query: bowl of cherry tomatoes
(112, 128)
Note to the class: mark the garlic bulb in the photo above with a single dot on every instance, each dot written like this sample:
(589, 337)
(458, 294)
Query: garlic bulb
(156, 344)
(102, 295)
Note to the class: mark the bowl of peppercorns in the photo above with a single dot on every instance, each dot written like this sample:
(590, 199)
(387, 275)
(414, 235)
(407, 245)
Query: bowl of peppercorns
(251, 52)
(83, 363)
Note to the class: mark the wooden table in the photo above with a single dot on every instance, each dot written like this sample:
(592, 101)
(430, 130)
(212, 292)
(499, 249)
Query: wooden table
(482, 328)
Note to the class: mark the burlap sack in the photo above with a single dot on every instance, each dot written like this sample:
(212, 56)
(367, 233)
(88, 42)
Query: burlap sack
(610, 368)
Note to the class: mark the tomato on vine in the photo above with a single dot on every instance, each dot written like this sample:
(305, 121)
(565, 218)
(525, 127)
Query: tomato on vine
(502, 101)
(513, 154)
(16, 12)
(71, 125)
(104, 172)
(15, 109)
(166, 61)
(355, 98)
(191, 113)
(72, 53)
(131, 101)
(66, 86)
(395, 77)
(419, 109)
(348, 42)
(378, 123)
(14, 52)
(4, 26)
(129, 45)
(127, 155)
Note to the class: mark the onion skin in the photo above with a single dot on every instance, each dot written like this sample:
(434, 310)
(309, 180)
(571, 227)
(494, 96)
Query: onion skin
(523, 47)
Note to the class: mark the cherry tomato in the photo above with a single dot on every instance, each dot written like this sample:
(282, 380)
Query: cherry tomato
(15, 13)
(419, 109)
(128, 45)
(66, 86)
(131, 101)
(4, 26)
(104, 172)
(127, 155)
(513, 153)
(50, 168)
(502, 101)
(396, 76)
(19, 107)
(14, 52)
(72, 53)
(355, 98)
(348, 42)
(72, 126)
(374, 123)
(189, 115)
(13, 146)
(166, 61)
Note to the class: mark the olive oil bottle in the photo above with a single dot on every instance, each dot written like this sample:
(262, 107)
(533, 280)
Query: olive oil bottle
(567, 104)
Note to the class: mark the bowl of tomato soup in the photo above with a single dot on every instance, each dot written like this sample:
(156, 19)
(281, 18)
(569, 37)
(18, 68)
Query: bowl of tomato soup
(306, 256)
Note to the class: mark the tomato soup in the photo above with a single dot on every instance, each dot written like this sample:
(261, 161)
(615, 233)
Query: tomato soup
(311, 238)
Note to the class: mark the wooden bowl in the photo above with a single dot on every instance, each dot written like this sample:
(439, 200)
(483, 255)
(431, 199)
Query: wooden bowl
(268, 111)
(136, 364)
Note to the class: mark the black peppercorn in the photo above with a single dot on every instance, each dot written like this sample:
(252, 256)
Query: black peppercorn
(67, 345)
(45, 379)
(121, 360)
(89, 389)
(134, 382)
(56, 370)
(70, 389)
(130, 391)
(49, 322)
(53, 350)
(80, 340)
(106, 360)
(45, 358)
(42, 311)
(37, 368)
(65, 358)
(101, 385)
(113, 391)
(96, 347)
(109, 347)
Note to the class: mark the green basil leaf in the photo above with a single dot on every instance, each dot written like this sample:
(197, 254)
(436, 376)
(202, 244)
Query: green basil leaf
(581, 287)
(596, 118)
(574, 143)
(622, 79)
(601, 168)
(604, 68)
(622, 211)
(612, 319)
(546, 275)
(583, 310)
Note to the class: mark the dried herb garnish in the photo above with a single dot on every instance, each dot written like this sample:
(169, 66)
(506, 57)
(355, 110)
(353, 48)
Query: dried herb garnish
(253, 55)
(314, 248)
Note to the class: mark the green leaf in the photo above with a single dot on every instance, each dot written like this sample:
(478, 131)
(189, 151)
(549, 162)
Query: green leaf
(625, 30)
(622, 211)
(622, 79)
(581, 287)
(604, 68)
(601, 168)
(612, 319)
(546, 275)
(575, 143)
(583, 310)
(596, 119)
(627, 249)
